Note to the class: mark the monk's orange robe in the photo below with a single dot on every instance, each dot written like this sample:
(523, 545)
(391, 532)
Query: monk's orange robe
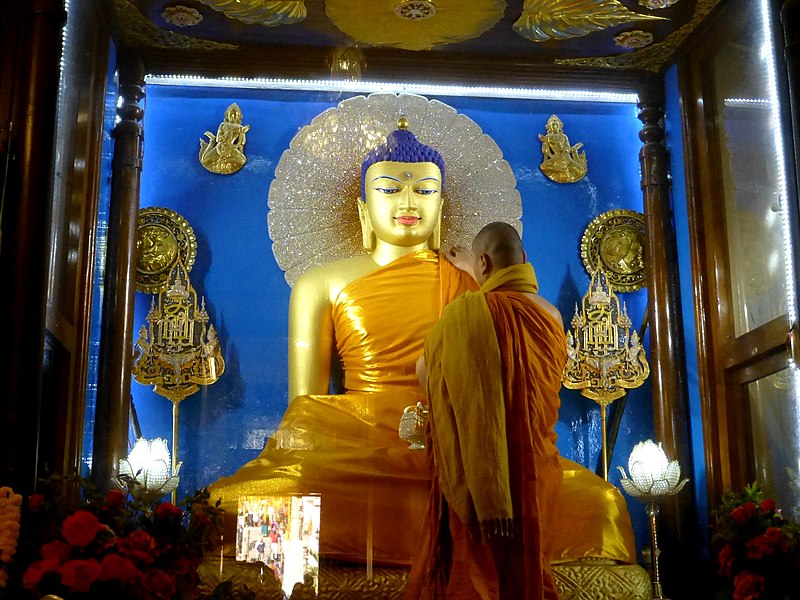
(492, 440)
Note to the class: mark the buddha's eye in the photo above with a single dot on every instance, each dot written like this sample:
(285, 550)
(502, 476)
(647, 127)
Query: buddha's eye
(384, 190)
(426, 192)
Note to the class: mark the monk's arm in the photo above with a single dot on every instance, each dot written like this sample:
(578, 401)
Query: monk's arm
(310, 336)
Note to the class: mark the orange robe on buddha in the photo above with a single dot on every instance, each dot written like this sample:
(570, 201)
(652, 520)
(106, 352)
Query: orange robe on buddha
(346, 446)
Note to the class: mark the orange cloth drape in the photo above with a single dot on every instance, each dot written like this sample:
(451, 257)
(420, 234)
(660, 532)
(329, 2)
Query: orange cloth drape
(455, 560)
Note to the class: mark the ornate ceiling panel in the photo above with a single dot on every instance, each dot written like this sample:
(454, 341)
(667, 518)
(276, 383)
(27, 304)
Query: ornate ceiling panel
(610, 34)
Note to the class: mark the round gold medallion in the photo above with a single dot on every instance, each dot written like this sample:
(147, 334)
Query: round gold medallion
(162, 237)
(615, 241)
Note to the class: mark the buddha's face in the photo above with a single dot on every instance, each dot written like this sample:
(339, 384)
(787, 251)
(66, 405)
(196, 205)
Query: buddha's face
(403, 201)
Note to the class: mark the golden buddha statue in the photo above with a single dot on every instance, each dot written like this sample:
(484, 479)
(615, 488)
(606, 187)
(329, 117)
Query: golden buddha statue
(370, 314)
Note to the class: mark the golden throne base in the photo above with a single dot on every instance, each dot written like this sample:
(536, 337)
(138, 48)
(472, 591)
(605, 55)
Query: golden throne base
(588, 579)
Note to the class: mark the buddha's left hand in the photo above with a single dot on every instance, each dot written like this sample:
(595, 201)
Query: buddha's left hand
(461, 258)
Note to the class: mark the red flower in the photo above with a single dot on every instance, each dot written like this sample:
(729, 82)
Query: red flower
(138, 546)
(35, 501)
(158, 585)
(726, 558)
(79, 575)
(166, 510)
(80, 528)
(115, 499)
(56, 550)
(742, 514)
(118, 567)
(748, 586)
(33, 575)
(767, 505)
(767, 543)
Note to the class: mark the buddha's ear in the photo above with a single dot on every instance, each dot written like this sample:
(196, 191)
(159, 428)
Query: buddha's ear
(435, 241)
(367, 237)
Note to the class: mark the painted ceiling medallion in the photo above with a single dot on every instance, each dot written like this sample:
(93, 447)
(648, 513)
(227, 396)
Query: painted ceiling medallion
(415, 10)
(414, 24)
(181, 16)
(656, 4)
(261, 12)
(633, 39)
(544, 20)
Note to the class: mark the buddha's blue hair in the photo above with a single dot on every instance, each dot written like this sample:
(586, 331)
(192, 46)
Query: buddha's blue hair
(401, 146)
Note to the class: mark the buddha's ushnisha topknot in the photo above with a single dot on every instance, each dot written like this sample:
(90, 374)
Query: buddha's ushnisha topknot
(401, 146)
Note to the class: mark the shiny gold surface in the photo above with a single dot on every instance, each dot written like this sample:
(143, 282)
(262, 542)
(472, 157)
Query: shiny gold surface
(597, 579)
(414, 25)
(179, 351)
(604, 357)
(544, 20)
(653, 57)
(615, 241)
(269, 13)
(561, 162)
(223, 153)
(312, 217)
(162, 238)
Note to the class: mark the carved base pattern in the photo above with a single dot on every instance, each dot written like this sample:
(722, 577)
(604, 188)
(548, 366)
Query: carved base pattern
(582, 580)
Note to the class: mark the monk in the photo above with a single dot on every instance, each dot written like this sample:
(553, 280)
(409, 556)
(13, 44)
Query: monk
(492, 368)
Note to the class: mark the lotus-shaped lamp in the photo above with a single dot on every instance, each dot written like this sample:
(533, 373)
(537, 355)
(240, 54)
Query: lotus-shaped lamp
(147, 472)
(652, 475)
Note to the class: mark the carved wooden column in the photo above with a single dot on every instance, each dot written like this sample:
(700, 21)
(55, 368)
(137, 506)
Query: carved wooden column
(31, 48)
(677, 522)
(116, 344)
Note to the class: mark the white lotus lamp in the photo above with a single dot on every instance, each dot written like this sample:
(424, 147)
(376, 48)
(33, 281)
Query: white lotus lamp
(147, 472)
(652, 476)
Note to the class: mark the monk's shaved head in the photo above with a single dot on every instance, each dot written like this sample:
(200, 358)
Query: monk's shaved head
(501, 243)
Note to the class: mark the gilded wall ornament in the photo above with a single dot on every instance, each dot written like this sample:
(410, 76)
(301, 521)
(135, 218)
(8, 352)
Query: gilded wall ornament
(414, 24)
(163, 237)
(633, 39)
(561, 162)
(261, 12)
(604, 356)
(178, 351)
(223, 153)
(615, 241)
(544, 20)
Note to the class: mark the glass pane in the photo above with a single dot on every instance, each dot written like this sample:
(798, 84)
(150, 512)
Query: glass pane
(775, 421)
(751, 172)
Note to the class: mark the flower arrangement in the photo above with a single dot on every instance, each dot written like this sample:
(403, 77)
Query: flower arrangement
(114, 546)
(758, 549)
(9, 529)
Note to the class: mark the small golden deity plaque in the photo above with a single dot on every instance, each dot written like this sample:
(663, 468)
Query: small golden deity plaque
(162, 238)
(562, 162)
(615, 240)
(224, 153)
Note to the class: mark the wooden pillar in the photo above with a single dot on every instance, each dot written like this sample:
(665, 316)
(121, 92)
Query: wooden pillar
(677, 520)
(116, 344)
(31, 48)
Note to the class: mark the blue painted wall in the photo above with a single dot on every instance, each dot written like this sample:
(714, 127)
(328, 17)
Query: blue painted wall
(225, 424)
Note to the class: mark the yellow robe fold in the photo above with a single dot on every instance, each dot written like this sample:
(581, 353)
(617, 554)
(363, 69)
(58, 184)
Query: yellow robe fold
(346, 446)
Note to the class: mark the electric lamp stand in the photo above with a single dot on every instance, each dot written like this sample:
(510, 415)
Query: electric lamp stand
(652, 512)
